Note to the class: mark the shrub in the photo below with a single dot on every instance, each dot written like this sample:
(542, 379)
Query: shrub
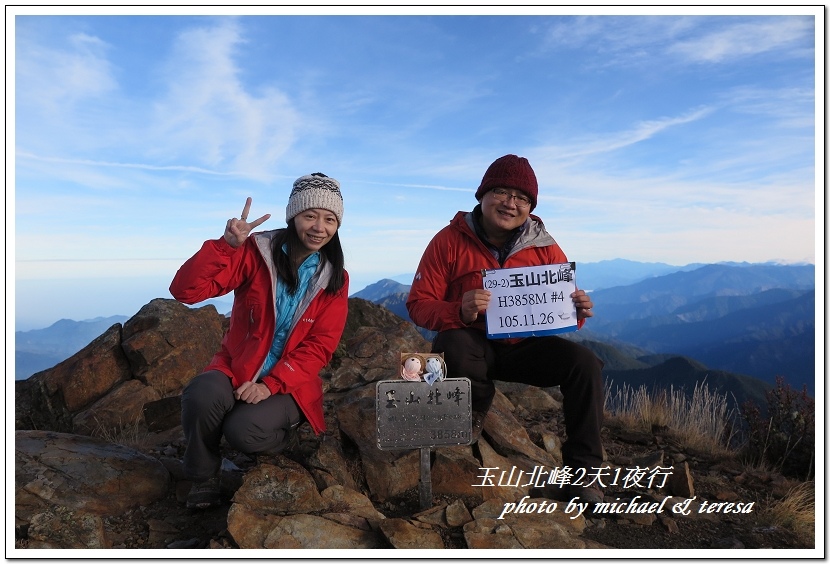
(784, 436)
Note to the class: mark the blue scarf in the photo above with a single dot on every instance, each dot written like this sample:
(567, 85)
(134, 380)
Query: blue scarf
(286, 305)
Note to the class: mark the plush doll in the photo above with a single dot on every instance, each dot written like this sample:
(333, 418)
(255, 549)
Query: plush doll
(434, 371)
(411, 369)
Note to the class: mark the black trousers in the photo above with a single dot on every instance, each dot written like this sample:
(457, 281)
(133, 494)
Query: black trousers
(538, 361)
(209, 411)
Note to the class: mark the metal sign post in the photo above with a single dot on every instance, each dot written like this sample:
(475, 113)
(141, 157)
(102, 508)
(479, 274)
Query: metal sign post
(419, 415)
(425, 485)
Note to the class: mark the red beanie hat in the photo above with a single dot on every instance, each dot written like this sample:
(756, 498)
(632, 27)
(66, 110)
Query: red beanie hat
(510, 171)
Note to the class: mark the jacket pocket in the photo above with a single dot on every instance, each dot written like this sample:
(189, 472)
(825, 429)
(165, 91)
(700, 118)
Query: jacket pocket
(245, 321)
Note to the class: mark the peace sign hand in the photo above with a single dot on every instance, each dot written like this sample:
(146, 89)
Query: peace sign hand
(237, 230)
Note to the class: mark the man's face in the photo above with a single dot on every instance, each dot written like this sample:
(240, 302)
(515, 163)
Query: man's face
(503, 210)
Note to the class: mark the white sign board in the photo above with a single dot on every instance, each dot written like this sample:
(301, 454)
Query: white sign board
(530, 301)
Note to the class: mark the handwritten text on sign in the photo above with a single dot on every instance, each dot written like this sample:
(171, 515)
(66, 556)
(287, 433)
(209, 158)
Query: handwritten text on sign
(531, 300)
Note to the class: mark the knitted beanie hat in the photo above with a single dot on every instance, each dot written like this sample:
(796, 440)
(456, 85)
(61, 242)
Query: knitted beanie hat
(510, 171)
(315, 191)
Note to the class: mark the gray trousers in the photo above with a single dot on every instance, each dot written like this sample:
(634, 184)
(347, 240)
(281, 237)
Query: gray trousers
(209, 411)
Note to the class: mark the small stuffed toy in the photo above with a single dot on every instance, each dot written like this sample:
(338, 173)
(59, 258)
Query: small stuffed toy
(411, 369)
(434, 371)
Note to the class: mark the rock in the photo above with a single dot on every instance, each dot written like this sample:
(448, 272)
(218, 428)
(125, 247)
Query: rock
(48, 399)
(104, 387)
(726, 495)
(82, 474)
(187, 543)
(651, 460)
(350, 501)
(680, 482)
(505, 475)
(163, 414)
(328, 465)
(435, 515)
(532, 529)
(279, 490)
(457, 514)
(728, 543)
(454, 471)
(485, 534)
(62, 528)
(122, 408)
(529, 397)
(374, 354)
(403, 534)
(670, 524)
(168, 343)
(507, 435)
(73, 491)
(388, 473)
(553, 445)
(161, 532)
(255, 530)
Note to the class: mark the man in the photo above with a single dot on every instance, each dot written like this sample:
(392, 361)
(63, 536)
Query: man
(447, 296)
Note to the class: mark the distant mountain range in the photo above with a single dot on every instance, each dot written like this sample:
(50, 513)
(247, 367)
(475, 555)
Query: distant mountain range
(738, 325)
(744, 319)
(44, 348)
(40, 349)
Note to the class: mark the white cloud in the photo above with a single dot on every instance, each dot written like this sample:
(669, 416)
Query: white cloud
(51, 78)
(208, 116)
(608, 142)
(635, 39)
(745, 39)
(206, 119)
(790, 107)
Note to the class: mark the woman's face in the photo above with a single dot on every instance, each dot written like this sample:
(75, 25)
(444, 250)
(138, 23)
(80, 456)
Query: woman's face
(315, 227)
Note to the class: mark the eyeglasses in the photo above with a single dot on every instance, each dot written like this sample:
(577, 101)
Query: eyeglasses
(504, 196)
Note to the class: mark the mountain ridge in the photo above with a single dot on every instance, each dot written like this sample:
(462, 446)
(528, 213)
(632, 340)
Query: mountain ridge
(708, 313)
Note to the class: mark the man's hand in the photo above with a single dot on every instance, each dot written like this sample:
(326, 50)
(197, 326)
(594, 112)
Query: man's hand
(472, 303)
(583, 304)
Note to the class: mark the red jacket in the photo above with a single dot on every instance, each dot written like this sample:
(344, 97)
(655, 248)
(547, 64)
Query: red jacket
(452, 265)
(248, 271)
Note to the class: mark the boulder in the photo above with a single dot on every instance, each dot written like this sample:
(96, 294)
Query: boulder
(82, 474)
(168, 343)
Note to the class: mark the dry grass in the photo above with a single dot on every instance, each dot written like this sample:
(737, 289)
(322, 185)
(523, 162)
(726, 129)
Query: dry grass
(700, 421)
(133, 435)
(795, 512)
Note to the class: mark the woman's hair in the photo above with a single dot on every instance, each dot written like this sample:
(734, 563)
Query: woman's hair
(287, 267)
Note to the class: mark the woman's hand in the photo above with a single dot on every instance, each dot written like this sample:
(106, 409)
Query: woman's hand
(237, 230)
(251, 392)
(583, 304)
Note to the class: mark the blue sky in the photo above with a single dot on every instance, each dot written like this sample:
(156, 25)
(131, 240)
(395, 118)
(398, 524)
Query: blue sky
(667, 138)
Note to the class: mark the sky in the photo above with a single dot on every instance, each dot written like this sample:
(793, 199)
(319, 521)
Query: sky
(680, 138)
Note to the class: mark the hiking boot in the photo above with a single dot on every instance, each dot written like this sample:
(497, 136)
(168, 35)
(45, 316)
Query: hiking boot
(204, 494)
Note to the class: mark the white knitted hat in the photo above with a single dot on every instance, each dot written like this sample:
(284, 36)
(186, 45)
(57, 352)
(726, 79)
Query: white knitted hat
(315, 191)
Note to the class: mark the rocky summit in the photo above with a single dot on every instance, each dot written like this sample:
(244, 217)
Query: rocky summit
(98, 447)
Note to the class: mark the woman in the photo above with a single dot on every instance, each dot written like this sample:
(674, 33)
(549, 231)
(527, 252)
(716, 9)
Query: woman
(289, 311)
